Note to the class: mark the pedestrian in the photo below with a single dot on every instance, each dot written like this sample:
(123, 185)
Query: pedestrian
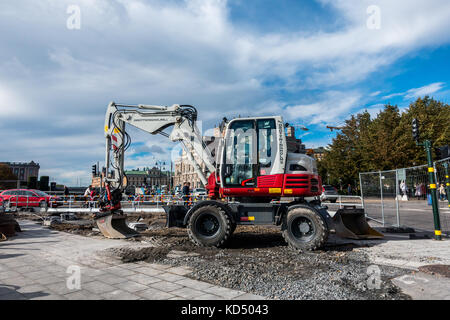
(87, 192)
(349, 189)
(93, 194)
(186, 192)
(403, 188)
(418, 192)
(66, 191)
(442, 194)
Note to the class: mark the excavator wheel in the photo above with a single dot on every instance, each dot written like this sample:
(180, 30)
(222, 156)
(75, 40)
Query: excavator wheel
(209, 226)
(304, 229)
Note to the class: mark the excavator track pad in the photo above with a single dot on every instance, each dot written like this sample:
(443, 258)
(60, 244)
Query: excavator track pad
(114, 226)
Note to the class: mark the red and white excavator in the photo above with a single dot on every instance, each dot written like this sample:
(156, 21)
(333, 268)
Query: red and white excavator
(251, 180)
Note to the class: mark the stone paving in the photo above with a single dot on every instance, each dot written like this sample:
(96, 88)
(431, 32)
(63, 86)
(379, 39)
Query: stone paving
(43, 264)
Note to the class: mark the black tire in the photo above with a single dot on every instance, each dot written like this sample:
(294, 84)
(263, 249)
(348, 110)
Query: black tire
(209, 226)
(233, 227)
(304, 229)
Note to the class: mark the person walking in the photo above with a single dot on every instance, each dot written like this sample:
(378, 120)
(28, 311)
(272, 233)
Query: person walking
(186, 193)
(349, 189)
(87, 192)
(442, 194)
(66, 191)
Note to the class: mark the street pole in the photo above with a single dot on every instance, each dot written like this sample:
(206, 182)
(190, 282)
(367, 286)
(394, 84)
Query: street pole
(434, 202)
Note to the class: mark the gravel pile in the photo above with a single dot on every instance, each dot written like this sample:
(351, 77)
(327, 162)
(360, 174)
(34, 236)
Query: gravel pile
(258, 261)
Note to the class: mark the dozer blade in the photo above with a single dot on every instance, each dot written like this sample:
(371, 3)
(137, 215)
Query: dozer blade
(114, 226)
(352, 223)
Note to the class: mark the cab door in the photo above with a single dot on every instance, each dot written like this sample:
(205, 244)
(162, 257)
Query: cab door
(239, 168)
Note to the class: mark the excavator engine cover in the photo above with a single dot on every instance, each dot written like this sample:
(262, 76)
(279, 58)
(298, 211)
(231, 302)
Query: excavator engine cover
(352, 223)
(114, 226)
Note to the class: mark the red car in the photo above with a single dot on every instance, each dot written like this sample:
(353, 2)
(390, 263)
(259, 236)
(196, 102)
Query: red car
(28, 198)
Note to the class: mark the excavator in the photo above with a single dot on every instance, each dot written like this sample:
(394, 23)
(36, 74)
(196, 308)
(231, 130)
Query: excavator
(250, 176)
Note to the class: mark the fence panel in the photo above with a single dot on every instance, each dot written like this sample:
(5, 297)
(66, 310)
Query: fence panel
(402, 197)
(371, 194)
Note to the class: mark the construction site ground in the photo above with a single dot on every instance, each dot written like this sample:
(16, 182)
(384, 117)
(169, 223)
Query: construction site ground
(257, 264)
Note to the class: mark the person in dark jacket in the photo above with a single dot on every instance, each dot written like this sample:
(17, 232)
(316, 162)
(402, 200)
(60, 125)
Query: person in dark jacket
(186, 192)
(66, 191)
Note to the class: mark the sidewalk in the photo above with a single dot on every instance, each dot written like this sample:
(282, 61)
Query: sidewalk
(41, 264)
(399, 250)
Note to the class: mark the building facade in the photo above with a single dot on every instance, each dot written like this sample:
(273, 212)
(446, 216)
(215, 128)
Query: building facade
(24, 170)
(153, 178)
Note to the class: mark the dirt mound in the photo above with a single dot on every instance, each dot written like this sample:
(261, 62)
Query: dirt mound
(8, 226)
(440, 269)
(80, 229)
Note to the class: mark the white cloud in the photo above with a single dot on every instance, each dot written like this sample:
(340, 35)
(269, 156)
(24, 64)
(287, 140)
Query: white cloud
(425, 90)
(329, 110)
(418, 92)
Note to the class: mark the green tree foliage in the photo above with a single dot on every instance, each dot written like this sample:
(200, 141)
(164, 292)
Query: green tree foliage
(384, 142)
(6, 174)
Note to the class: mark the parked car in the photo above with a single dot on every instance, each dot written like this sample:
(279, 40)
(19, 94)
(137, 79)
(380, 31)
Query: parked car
(29, 198)
(2, 205)
(329, 193)
(196, 192)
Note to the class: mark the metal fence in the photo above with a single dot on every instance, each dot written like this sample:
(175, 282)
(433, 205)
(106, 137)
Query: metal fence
(402, 197)
(79, 203)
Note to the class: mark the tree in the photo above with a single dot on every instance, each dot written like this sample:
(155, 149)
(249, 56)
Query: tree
(434, 125)
(385, 142)
(6, 174)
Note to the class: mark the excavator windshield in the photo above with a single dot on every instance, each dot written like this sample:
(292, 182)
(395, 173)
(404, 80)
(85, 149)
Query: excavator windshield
(250, 151)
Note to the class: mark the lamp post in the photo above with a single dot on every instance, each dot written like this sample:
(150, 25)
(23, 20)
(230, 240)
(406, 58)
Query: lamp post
(159, 164)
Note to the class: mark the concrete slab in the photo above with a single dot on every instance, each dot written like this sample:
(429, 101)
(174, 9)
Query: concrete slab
(423, 286)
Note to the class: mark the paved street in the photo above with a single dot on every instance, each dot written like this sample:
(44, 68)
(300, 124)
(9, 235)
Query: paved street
(42, 264)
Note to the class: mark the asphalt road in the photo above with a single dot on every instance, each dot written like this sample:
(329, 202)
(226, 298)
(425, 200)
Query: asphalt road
(416, 214)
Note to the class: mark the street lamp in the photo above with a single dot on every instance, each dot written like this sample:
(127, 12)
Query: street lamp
(159, 164)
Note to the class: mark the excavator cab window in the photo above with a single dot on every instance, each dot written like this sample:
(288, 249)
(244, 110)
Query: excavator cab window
(266, 146)
(240, 155)
(250, 151)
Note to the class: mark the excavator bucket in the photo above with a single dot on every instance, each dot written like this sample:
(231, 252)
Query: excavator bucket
(114, 226)
(352, 223)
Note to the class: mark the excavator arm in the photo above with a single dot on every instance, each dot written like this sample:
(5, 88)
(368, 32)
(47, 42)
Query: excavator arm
(154, 120)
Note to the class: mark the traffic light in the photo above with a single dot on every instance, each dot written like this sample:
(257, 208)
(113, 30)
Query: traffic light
(94, 170)
(415, 129)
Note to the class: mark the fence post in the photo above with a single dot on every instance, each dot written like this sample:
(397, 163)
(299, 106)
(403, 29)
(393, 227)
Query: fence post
(434, 201)
(396, 198)
(382, 200)
(362, 194)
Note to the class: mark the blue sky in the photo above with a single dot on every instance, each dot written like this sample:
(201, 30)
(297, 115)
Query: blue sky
(314, 62)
